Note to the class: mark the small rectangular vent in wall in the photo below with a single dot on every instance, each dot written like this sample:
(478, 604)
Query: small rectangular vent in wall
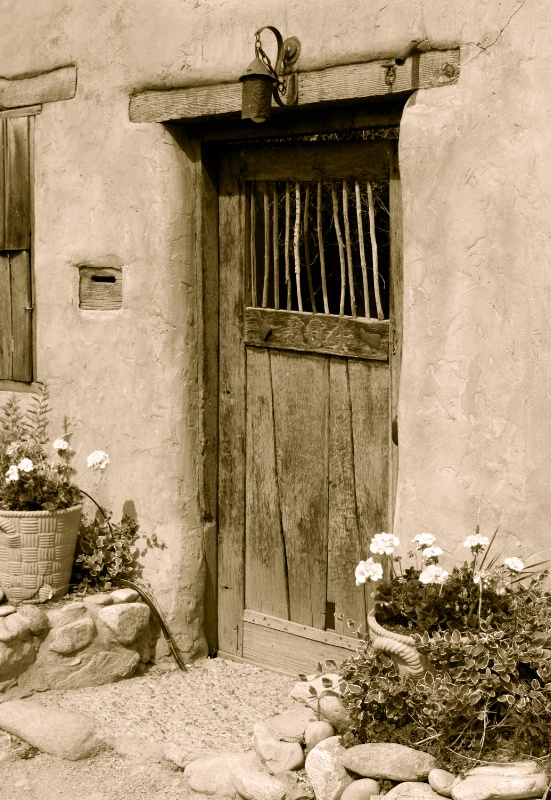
(100, 288)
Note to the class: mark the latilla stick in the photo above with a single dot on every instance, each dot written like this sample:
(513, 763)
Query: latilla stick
(307, 248)
(363, 262)
(374, 252)
(297, 244)
(287, 236)
(276, 246)
(266, 246)
(341, 245)
(322, 253)
(253, 247)
(348, 247)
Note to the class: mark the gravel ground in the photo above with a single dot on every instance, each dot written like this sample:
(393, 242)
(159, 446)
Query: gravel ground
(212, 707)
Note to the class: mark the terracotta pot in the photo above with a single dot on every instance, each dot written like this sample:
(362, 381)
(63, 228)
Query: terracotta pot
(37, 549)
(400, 648)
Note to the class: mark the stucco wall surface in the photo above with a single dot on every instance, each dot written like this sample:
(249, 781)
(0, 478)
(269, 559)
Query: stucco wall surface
(474, 421)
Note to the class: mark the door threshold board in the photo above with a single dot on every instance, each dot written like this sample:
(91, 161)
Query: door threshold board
(289, 647)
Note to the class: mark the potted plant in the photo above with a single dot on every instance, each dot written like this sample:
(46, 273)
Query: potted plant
(40, 504)
(477, 638)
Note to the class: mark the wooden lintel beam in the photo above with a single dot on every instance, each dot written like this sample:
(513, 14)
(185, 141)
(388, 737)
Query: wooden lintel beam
(352, 82)
(48, 87)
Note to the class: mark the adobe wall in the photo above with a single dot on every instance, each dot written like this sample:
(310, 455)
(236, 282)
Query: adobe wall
(477, 230)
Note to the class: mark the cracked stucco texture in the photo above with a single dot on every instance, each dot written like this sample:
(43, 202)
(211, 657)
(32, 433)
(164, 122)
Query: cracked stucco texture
(474, 415)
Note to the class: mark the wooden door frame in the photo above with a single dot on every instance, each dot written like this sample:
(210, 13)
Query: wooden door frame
(204, 144)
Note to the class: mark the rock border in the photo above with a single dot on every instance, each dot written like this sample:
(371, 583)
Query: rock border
(98, 639)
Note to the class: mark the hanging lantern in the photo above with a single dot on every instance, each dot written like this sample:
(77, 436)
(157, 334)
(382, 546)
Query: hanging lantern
(258, 84)
(261, 81)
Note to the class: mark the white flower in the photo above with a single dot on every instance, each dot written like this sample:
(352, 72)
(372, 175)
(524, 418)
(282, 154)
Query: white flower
(476, 542)
(433, 574)
(424, 539)
(514, 564)
(368, 571)
(12, 448)
(60, 444)
(478, 577)
(12, 474)
(98, 460)
(384, 543)
(25, 465)
(432, 552)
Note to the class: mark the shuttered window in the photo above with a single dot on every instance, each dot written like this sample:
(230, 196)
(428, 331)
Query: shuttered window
(15, 250)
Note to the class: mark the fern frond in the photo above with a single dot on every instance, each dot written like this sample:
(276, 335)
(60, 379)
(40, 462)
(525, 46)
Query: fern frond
(37, 416)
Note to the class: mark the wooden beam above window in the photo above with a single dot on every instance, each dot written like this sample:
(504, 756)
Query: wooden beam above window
(352, 82)
(47, 87)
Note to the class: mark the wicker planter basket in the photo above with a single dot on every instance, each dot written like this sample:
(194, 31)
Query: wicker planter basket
(37, 549)
(400, 648)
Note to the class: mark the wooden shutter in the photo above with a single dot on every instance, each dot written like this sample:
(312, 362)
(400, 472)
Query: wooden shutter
(15, 242)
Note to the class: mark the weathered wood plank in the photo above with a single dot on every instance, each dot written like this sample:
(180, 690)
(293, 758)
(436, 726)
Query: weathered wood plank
(301, 428)
(232, 422)
(48, 87)
(283, 123)
(100, 289)
(348, 82)
(291, 648)
(265, 562)
(21, 304)
(396, 317)
(5, 319)
(17, 224)
(313, 161)
(317, 333)
(369, 396)
(206, 270)
(343, 546)
(3, 148)
(25, 111)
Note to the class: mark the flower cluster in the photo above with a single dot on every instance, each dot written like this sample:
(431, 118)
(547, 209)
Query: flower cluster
(29, 479)
(430, 597)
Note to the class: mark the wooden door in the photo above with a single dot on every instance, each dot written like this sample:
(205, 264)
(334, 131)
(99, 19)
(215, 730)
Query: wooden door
(307, 245)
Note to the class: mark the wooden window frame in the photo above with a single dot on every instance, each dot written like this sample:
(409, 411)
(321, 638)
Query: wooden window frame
(23, 98)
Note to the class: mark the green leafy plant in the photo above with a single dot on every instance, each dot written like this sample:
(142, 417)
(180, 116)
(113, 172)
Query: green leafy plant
(36, 474)
(485, 631)
(105, 551)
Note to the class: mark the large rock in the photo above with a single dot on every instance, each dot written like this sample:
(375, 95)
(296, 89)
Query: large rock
(100, 599)
(125, 620)
(500, 787)
(278, 756)
(441, 781)
(59, 733)
(332, 710)
(212, 774)
(38, 619)
(15, 658)
(253, 782)
(394, 762)
(315, 732)
(106, 667)
(325, 770)
(126, 595)
(67, 614)
(290, 726)
(362, 789)
(73, 636)
(412, 790)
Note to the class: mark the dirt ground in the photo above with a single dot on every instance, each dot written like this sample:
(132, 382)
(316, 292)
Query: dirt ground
(212, 707)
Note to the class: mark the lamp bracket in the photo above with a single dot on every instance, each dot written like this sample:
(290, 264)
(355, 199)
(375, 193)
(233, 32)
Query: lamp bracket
(288, 51)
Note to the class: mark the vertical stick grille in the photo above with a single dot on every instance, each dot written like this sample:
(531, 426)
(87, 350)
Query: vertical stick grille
(333, 240)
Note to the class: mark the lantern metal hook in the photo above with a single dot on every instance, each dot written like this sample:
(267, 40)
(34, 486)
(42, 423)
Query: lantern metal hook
(261, 80)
